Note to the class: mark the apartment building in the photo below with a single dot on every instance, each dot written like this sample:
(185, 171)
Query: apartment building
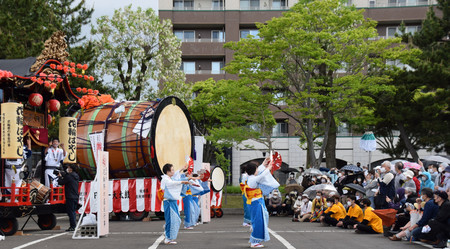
(204, 26)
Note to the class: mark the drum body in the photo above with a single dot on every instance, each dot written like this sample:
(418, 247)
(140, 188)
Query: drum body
(217, 179)
(140, 136)
(39, 193)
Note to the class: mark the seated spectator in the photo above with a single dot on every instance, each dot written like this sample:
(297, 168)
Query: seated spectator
(398, 201)
(318, 206)
(440, 225)
(341, 181)
(291, 179)
(430, 211)
(425, 181)
(274, 206)
(305, 209)
(371, 222)
(415, 215)
(354, 216)
(297, 209)
(371, 186)
(334, 213)
(288, 204)
(410, 194)
(434, 171)
(444, 183)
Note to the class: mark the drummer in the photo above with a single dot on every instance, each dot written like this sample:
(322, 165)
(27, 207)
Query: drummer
(53, 158)
(14, 166)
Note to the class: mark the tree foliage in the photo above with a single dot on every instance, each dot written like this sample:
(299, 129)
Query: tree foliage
(136, 47)
(24, 26)
(418, 108)
(322, 56)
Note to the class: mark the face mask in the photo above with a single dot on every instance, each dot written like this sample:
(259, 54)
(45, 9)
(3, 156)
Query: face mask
(430, 170)
(406, 196)
(357, 197)
(441, 169)
(323, 181)
(349, 203)
(424, 178)
(447, 174)
(329, 204)
(359, 180)
(305, 200)
(314, 179)
(318, 197)
(422, 198)
(340, 174)
(382, 170)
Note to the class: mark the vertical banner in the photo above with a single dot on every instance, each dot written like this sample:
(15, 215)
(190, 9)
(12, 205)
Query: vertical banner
(12, 130)
(103, 193)
(96, 140)
(68, 136)
(205, 200)
(198, 156)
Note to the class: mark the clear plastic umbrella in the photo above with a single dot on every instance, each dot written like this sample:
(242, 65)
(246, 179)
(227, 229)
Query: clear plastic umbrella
(313, 171)
(326, 188)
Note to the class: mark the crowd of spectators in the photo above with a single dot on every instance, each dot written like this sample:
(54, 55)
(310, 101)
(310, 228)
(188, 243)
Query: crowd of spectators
(419, 198)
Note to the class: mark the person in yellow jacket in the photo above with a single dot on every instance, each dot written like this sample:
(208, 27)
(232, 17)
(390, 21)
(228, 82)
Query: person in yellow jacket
(371, 222)
(354, 216)
(334, 212)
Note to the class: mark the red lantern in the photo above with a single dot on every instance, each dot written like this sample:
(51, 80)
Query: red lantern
(49, 119)
(35, 99)
(53, 105)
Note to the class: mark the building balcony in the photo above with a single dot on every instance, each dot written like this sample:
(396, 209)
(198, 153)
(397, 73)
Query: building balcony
(202, 49)
(202, 40)
(211, 72)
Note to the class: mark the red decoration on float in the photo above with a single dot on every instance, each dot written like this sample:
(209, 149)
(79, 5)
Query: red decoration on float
(53, 105)
(49, 118)
(35, 99)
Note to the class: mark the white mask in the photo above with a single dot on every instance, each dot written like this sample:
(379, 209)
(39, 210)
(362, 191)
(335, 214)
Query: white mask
(441, 169)
(329, 204)
(430, 170)
(357, 197)
(340, 174)
(424, 178)
(349, 203)
(305, 200)
(359, 180)
(382, 170)
(317, 197)
(323, 180)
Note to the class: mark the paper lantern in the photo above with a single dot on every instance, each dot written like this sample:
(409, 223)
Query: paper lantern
(53, 105)
(35, 99)
(12, 130)
(49, 119)
(68, 136)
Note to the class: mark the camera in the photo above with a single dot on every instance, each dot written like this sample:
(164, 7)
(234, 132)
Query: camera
(57, 172)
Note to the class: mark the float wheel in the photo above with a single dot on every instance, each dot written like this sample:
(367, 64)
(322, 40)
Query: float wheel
(46, 221)
(9, 226)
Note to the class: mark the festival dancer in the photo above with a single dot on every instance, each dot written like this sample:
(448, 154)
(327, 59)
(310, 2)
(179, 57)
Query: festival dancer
(259, 214)
(171, 185)
(247, 217)
(191, 208)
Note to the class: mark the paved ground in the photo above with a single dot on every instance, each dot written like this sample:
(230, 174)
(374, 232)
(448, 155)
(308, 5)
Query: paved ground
(225, 232)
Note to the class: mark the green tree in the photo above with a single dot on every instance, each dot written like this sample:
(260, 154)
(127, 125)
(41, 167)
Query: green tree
(24, 26)
(323, 58)
(72, 16)
(418, 109)
(229, 112)
(135, 47)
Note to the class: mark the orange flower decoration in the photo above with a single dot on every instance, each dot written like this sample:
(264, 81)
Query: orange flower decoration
(95, 92)
(84, 90)
(86, 77)
(79, 66)
(66, 102)
(52, 86)
(78, 89)
(66, 69)
(74, 75)
(47, 83)
(72, 64)
(59, 67)
(72, 70)
(52, 66)
(66, 63)
(91, 78)
(85, 67)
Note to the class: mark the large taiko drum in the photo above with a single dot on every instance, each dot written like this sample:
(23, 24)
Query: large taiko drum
(140, 136)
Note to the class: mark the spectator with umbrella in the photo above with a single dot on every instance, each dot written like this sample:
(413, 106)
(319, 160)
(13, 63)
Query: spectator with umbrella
(438, 182)
(445, 185)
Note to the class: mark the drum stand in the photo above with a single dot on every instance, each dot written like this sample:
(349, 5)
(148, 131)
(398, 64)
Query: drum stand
(29, 217)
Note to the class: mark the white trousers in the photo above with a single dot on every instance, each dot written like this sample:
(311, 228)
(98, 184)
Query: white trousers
(50, 177)
(10, 176)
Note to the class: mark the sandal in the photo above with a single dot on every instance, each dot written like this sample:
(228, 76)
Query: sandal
(170, 242)
(258, 245)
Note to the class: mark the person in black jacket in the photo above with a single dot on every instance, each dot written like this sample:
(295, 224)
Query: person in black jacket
(70, 181)
(440, 225)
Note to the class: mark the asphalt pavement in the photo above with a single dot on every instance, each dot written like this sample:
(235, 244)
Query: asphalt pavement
(220, 233)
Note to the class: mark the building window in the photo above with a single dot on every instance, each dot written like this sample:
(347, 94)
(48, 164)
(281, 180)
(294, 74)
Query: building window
(249, 4)
(392, 3)
(279, 4)
(217, 36)
(183, 4)
(372, 3)
(246, 32)
(397, 63)
(343, 130)
(279, 98)
(185, 35)
(280, 129)
(216, 67)
(391, 31)
(188, 67)
(217, 5)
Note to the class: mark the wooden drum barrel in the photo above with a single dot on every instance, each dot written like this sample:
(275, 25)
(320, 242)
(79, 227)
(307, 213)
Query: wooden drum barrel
(140, 136)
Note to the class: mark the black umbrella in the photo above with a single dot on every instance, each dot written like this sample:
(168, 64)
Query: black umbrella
(356, 187)
(351, 167)
(288, 170)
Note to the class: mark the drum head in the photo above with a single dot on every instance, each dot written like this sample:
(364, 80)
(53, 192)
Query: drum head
(172, 134)
(217, 179)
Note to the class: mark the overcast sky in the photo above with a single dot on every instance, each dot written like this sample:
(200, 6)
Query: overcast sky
(107, 7)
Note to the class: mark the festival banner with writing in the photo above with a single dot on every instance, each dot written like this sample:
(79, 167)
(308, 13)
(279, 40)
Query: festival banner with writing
(68, 137)
(12, 130)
